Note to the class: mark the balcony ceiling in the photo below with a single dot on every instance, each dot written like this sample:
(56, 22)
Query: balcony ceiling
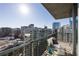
(59, 10)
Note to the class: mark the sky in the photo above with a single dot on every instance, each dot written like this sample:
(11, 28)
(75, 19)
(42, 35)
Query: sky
(11, 15)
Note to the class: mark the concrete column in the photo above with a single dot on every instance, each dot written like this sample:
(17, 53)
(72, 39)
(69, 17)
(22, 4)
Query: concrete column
(62, 33)
(78, 31)
(74, 34)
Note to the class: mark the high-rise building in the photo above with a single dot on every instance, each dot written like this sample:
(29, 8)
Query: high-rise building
(56, 25)
(5, 31)
(65, 33)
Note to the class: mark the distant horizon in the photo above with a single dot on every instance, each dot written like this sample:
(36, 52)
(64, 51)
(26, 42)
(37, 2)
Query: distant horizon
(24, 25)
(28, 25)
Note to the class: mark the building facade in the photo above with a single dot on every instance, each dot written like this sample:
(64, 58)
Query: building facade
(65, 33)
(56, 25)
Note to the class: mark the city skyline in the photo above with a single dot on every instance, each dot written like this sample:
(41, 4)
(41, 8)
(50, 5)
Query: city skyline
(11, 15)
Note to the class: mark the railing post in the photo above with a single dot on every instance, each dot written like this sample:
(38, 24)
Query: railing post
(24, 49)
(32, 50)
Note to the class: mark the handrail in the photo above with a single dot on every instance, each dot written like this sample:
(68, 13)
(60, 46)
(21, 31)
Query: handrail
(22, 45)
(14, 48)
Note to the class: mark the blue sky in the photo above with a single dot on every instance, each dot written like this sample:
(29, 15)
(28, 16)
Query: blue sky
(10, 16)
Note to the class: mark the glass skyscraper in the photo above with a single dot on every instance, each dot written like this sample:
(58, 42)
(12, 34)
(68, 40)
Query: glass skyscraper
(56, 25)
